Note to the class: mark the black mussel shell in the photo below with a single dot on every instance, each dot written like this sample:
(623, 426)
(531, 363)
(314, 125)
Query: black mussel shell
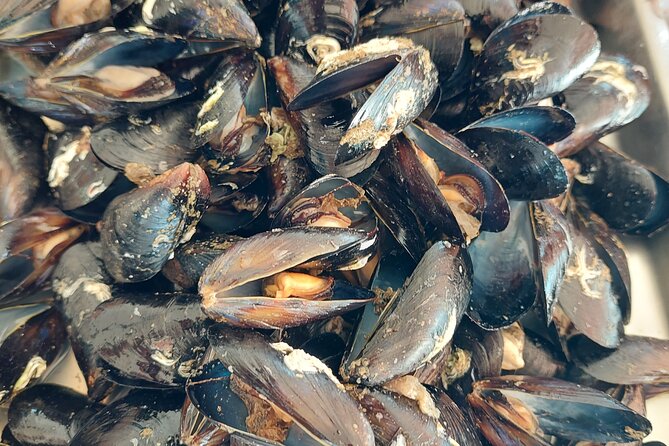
(319, 128)
(76, 175)
(149, 417)
(422, 320)
(542, 358)
(31, 245)
(191, 259)
(48, 415)
(590, 295)
(32, 339)
(531, 56)
(561, 408)
(49, 29)
(637, 360)
(506, 277)
(21, 161)
(637, 202)
(391, 207)
(553, 248)
(140, 229)
(524, 166)
(296, 382)
(287, 177)
(423, 193)
(196, 429)
(80, 283)
(454, 158)
(409, 82)
(428, 23)
(159, 139)
(203, 20)
(229, 125)
(485, 346)
(313, 28)
(611, 94)
(148, 338)
(231, 286)
(490, 12)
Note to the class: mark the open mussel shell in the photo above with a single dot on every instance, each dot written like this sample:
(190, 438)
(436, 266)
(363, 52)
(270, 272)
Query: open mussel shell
(156, 339)
(147, 416)
(159, 140)
(49, 29)
(559, 408)
(48, 414)
(191, 259)
(311, 29)
(614, 92)
(421, 321)
(140, 229)
(76, 176)
(295, 382)
(525, 167)
(553, 248)
(409, 82)
(232, 290)
(637, 360)
(454, 158)
(506, 281)
(532, 56)
(319, 128)
(21, 161)
(33, 338)
(637, 202)
(410, 174)
(329, 201)
(31, 245)
(203, 20)
(229, 125)
(428, 23)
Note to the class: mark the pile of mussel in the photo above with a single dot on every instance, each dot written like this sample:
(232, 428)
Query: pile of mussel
(320, 222)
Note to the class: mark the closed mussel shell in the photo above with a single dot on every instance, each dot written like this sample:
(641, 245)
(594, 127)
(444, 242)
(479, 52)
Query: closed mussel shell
(140, 229)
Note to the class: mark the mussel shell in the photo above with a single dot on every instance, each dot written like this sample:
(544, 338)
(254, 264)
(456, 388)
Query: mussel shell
(525, 167)
(299, 21)
(611, 94)
(532, 56)
(140, 229)
(427, 23)
(421, 190)
(588, 295)
(553, 248)
(486, 348)
(31, 245)
(422, 320)
(21, 161)
(637, 202)
(236, 94)
(319, 128)
(567, 410)
(159, 139)
(145, 416)
(76, 175)
(637, 360)
(196, 429)
(296, 382)
(33, 338)
(287, 177)
(49, 415)
(390, 206)
(506, 275)
(191, 259)
(453, 157)
(541, 358)
(203, 20)
(491, 12)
